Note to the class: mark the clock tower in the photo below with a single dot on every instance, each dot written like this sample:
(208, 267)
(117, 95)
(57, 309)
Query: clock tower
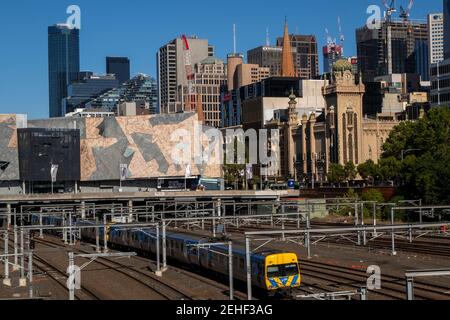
(344, 116)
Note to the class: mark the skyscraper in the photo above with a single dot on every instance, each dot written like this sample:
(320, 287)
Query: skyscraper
(88, 88)
(306, 58)
(172, 69)
(440, 74)
(210, 77)
(63, 64)
(447, 29)
(120, 66)
(436, 37)
(397, 47)
(267, 57)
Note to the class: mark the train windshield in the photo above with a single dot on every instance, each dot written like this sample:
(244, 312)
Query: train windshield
(285, 270)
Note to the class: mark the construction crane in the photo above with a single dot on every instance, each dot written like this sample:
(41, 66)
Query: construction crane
(406, 13)
(341, 34)
(330, 41)
(390, 9)
(189, 105)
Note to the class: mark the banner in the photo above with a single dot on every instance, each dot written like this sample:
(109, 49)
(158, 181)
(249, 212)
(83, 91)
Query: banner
(188, 171)
(54, 172)
(249, 171)
(123, 172)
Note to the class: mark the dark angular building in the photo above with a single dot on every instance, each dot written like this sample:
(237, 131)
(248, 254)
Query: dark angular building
(39, 149)
(120, 66)
(63, 64)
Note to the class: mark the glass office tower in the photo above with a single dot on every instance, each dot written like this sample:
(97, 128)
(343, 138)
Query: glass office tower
(63, 65)
(120, 66)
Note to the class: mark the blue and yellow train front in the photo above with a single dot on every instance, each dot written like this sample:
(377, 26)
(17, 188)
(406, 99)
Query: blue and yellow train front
(282, 272)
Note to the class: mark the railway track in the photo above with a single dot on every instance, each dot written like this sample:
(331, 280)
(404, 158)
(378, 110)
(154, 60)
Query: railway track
(392, 287)
(60, 277)
(143, 279)
(237, 294)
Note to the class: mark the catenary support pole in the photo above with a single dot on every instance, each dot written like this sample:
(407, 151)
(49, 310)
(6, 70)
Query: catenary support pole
(6, 280)
(41, 231)
(158, 258)
(97, 237)
(394, 253)
(164, 244)
(362, 223)
(30, 272)
(71, 282)
(16, 244)
(409, 289)
(23, 280)
(230, 269)
(105, 234)
(249, 269)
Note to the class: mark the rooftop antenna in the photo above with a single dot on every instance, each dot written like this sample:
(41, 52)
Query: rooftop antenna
(234, 38)
(267, 38)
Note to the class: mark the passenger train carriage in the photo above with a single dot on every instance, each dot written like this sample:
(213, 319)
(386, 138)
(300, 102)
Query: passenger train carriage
(271, 270)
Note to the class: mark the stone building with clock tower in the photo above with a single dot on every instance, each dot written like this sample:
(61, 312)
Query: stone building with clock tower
(341, 133)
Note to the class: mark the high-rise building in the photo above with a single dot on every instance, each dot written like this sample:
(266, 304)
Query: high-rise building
(397, 47)
(447, 29)
(436, 37)
(267, 57)
(331, 54)
(233, 60)
(120, 67)
(89, 87)
(306, 58)
(210, 76)
(171, 68)
(304, 55)
(63, 64)
(240, 74)
(440, 72)
(140, 89)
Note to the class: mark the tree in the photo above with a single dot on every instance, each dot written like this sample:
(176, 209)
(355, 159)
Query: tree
(336, 174)
(350, 171)
(368, 170)
(424, 170)
(232, 172)
(373, 195)
(390, 168)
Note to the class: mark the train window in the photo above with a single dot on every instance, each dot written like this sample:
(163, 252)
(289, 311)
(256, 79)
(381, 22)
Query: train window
(241, 263)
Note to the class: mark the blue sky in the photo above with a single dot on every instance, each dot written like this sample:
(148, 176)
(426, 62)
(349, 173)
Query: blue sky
(137, 28)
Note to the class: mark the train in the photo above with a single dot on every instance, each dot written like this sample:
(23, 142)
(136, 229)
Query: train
(272, 271)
